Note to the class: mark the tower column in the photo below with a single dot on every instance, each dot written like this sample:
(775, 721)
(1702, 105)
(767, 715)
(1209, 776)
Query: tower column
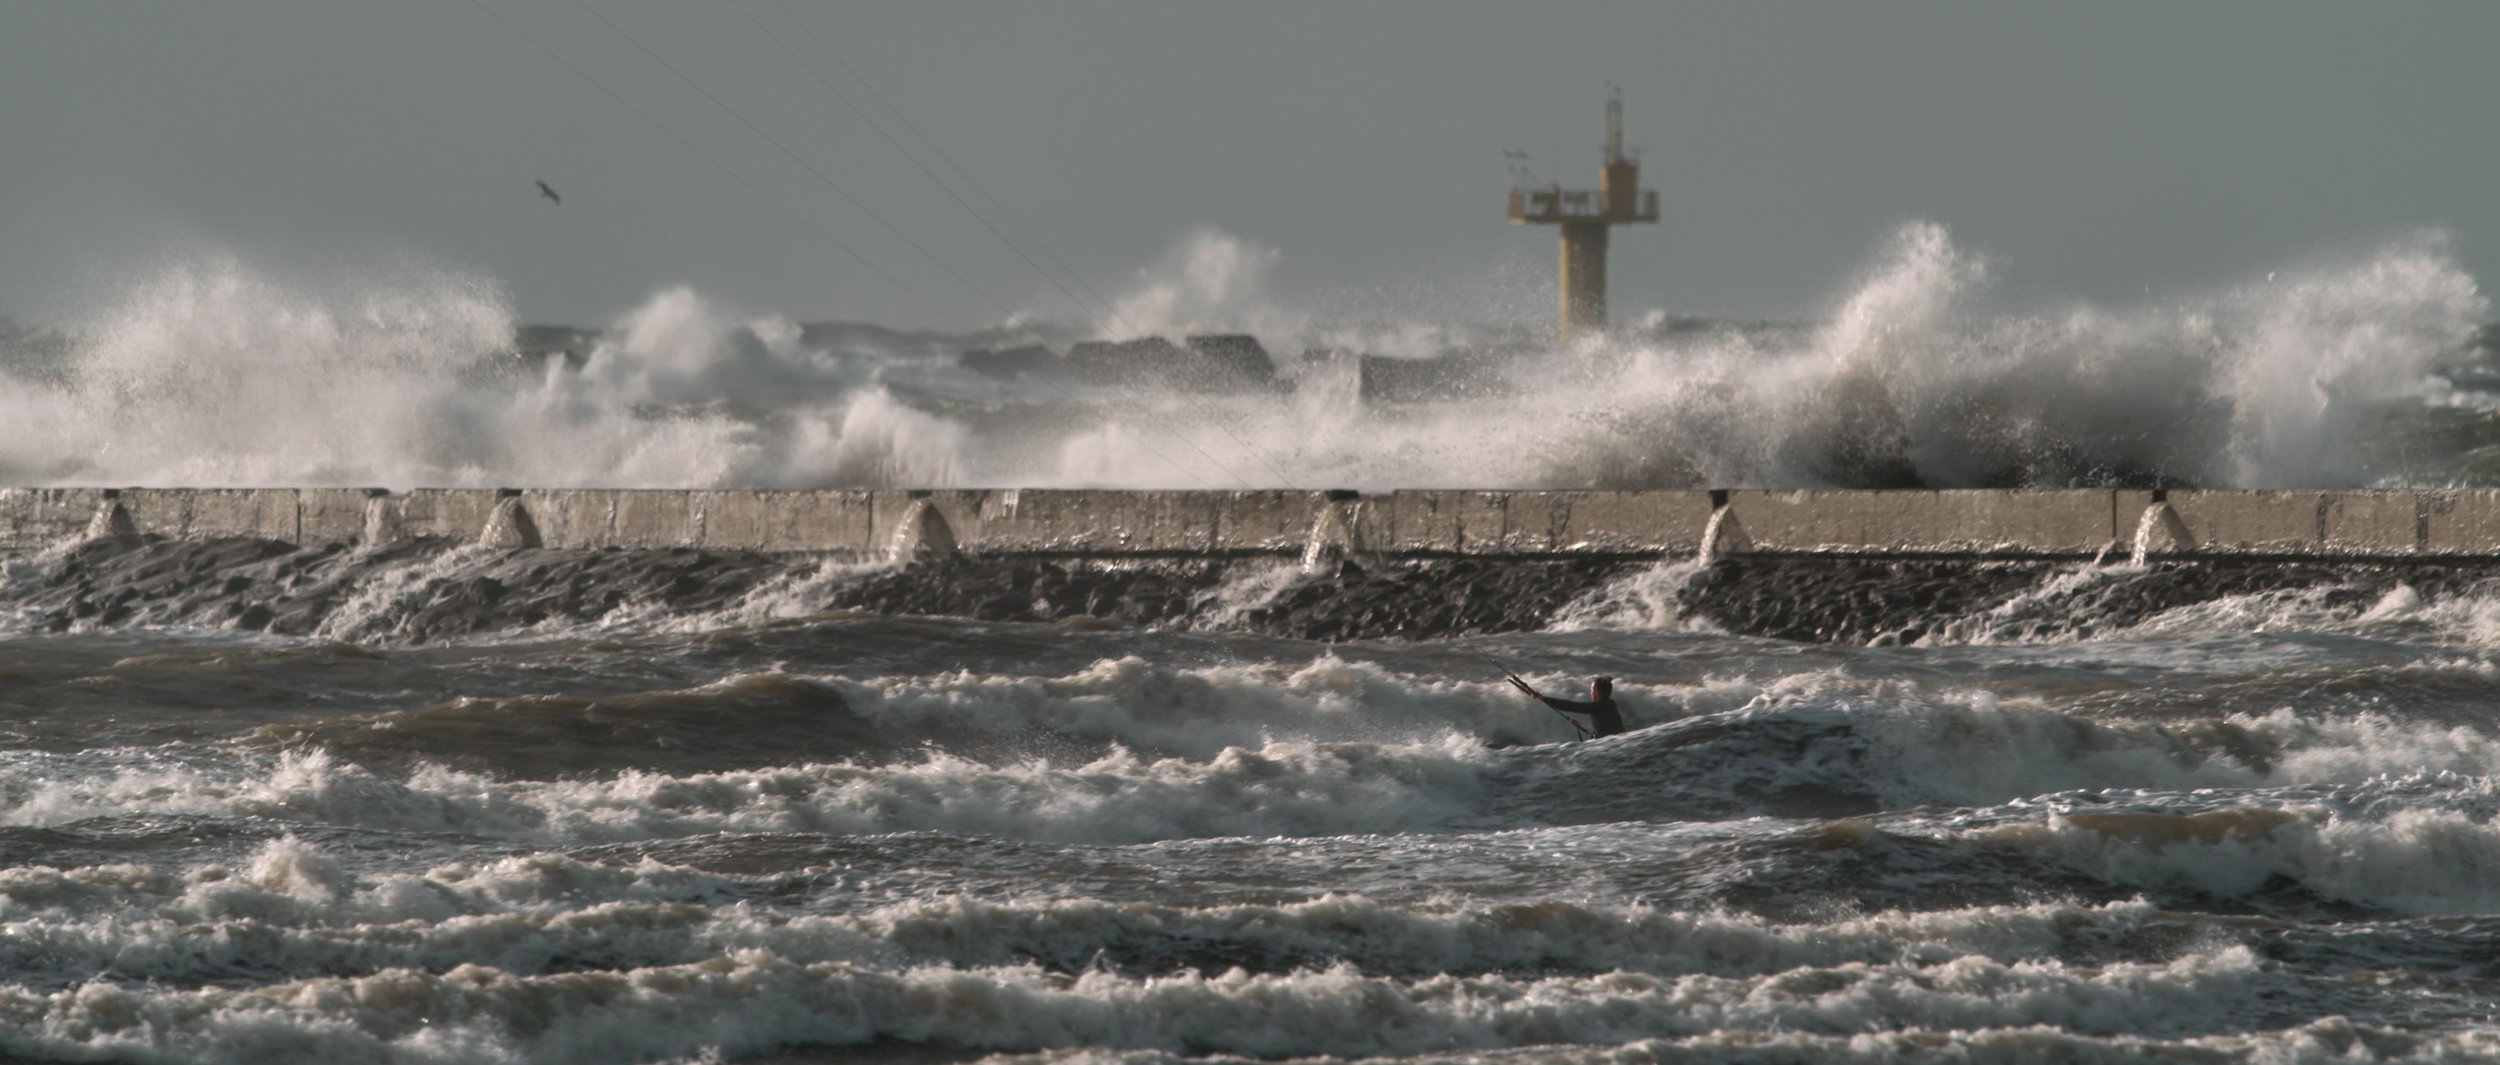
(1583, 281)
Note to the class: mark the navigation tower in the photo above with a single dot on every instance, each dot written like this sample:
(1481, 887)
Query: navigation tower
(1585, 216)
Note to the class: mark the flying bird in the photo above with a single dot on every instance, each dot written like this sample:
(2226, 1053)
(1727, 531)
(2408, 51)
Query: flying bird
(549, 193)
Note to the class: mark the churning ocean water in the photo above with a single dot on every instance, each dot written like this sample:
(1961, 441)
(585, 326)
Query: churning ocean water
(2249, 831)
(2255, 827)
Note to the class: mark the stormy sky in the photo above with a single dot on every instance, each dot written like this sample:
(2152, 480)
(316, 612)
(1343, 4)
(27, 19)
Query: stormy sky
(953, 164)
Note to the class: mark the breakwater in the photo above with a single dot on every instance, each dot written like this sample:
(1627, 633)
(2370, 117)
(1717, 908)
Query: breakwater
(899, 524)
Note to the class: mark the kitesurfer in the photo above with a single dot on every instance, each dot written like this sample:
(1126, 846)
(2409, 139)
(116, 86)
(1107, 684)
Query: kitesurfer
(1600, 709)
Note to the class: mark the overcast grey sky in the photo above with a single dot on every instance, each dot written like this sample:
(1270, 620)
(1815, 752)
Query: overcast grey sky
(2094, 150)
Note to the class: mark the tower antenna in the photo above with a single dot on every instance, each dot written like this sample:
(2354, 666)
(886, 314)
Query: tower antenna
(1614, 122)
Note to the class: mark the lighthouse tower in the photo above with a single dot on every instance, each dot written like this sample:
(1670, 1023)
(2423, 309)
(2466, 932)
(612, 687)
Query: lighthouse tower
(1584, 217)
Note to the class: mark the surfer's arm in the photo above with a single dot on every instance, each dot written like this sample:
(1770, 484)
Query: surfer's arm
(1569, 706)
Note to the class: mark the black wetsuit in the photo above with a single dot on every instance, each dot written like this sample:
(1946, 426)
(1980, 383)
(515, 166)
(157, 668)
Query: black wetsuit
(1600, 713)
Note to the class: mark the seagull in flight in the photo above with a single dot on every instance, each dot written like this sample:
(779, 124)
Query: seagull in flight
(549, 193)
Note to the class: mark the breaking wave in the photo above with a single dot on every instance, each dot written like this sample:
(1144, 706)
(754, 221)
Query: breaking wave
(1125, 752)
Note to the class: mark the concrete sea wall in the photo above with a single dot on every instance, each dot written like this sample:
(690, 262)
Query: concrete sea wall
(2082, 523)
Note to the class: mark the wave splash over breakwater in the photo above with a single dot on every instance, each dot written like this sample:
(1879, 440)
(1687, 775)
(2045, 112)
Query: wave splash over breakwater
(2354, 372)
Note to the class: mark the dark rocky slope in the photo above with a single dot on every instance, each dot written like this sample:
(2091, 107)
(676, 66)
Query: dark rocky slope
(427, 591)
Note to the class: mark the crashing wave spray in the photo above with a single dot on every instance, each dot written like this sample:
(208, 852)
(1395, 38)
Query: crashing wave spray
(212, 375)
(1916, 382)
(1917, 379)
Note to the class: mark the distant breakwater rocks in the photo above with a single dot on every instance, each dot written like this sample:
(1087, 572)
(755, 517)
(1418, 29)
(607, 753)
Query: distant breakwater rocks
(432, 590)
(1214, 362)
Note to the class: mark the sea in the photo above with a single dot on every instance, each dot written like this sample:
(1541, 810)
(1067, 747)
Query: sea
(2254, 828)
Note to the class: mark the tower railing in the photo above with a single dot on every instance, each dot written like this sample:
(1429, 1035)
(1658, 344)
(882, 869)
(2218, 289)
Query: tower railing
(1553, 204)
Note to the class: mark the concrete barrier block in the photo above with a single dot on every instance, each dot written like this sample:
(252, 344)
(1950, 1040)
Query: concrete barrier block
(1536, 523)
(2377, 523)
(746, 521)
(1178, 521)
(1053, 521)
(573, 517)
(825, 520)
(2251, 521)
(832, 521)
(270, 513)
(829, 521)
(157, 511)
(203, 513)
(2462, 522)
(1071, 521)
(1532, 523)
(1632, 521)
(1043, 520)
(32, 519)
(1417, 521)
(2046, 522)
(243, 511)
(331, 515)
(1484, 523)
(1810, 521)
(1451, 521)
(1265, 521)
(1368, 522)
(648, 518)
(456, 513)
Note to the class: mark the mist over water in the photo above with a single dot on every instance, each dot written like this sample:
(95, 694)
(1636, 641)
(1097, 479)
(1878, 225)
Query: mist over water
(2336, 372)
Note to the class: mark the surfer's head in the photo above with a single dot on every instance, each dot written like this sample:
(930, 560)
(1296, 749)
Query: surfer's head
(1601, 688)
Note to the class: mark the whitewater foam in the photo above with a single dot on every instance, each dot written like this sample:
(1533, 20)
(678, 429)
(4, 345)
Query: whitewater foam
(292, 900)
(1132, 753)
(1645, 599)
(2420, 862)
(752, 1000)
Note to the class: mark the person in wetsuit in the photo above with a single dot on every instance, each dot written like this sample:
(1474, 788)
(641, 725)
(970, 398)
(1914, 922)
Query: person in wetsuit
(1600, 709)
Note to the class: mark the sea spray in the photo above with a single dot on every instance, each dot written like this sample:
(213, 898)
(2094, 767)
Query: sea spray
(213, 375)
(1923, 374)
